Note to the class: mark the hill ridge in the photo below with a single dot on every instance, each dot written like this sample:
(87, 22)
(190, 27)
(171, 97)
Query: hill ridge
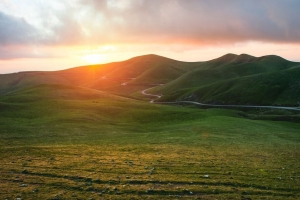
(180, 78)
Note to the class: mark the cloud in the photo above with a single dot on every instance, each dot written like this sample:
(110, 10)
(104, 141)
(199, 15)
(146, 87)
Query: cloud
(127, 21)
(192, 22)
(213, 21)
(15, 30)
(27, 51)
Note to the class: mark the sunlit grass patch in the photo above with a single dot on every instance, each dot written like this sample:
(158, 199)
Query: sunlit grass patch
(150, 171)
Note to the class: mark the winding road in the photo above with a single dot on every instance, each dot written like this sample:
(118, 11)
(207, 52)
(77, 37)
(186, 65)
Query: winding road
(144, 92)
(156, 96)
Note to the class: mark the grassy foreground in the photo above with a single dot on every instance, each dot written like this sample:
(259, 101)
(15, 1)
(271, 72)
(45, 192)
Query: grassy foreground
(63, 142)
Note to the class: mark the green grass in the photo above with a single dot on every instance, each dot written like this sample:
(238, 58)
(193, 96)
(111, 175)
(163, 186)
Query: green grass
(62, 138)
(230, 79)
(64, 142)
(268, 80)
(276, 88)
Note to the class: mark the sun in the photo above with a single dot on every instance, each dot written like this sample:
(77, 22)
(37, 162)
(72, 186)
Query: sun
(93, 58)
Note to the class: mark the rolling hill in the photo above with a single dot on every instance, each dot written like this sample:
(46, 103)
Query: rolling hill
(142, 71)
(60, 138)
(238, 79)
(230, 79)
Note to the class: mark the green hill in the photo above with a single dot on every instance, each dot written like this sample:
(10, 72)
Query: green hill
(233, 79)
(60, 139)
(142, 71)
(230, 79)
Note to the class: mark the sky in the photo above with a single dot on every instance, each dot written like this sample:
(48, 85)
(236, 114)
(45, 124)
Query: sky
(52, 35)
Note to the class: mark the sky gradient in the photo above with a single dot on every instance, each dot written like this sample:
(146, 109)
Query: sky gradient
(52, 35)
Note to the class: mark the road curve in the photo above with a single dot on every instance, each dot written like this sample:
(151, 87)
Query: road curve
(144, 92)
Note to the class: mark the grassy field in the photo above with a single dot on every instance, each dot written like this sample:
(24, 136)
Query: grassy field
(64, 142)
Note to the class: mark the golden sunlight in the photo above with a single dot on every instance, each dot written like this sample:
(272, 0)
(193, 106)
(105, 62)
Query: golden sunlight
(93, 58)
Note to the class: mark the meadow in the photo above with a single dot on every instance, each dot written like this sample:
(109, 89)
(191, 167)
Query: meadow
(65, 142)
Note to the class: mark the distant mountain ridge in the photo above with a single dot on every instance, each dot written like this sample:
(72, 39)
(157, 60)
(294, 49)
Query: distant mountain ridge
(229, 79)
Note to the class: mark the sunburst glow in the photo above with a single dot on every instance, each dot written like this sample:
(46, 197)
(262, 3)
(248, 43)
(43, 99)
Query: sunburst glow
(93, 58)
(87, 32)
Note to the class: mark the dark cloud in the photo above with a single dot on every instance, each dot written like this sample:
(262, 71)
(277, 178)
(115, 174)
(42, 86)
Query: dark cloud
(15, 30)
(199, 21)
(89, 22)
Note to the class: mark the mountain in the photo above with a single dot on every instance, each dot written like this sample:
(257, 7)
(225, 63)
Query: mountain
(138, 73)
(82, 133)
(229, 79)
(238, 79)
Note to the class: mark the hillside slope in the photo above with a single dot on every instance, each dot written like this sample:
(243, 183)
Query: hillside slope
(141, 70)
(238, 79)
(230, 79)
